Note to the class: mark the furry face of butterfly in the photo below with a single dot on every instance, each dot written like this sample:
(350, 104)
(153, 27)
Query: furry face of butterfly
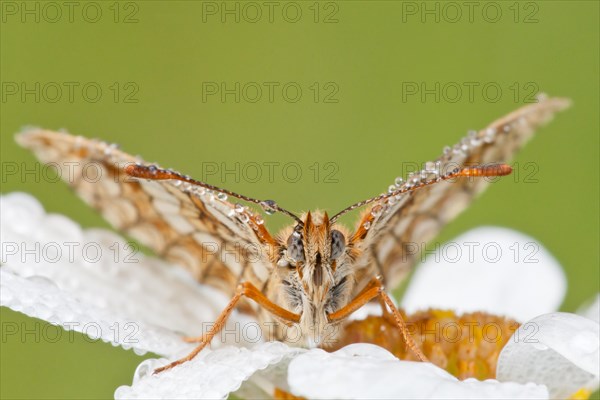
(316, 275)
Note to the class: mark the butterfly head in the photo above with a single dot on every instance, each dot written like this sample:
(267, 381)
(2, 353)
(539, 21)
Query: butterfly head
(314, 250)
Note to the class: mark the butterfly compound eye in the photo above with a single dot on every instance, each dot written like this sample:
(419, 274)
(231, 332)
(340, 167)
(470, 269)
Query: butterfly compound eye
(295, 248)
(338, 244)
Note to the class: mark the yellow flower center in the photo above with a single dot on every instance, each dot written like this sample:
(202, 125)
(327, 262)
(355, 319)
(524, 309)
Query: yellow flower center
(466, 346)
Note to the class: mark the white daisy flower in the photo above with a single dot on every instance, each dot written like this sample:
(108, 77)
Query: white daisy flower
(55, 271)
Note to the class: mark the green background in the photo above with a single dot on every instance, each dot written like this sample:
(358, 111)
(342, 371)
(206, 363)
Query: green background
(372, 50)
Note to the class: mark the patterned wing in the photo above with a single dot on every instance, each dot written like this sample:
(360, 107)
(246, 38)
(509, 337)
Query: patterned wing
(391, 231)
(220, 243)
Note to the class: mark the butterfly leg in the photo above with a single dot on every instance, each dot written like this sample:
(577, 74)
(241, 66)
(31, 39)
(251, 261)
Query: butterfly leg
(365, 296)
(374, 289)
(373, 283)
(194, 339)
(244, 289)
(402, 326)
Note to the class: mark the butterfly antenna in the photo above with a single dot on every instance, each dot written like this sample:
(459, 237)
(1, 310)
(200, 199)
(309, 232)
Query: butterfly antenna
(153, 172)
(474, 171)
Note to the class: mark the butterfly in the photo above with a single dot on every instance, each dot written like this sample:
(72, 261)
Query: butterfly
(310, 277)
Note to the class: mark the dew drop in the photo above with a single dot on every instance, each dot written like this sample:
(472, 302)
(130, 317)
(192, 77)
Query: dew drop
(210, 194)
(244, 218)
(239, 208)
(367, 225)
(540, 346)
(258, 219)
(108, 150)
(399, 181)
(376, 210)
(464, 144)
(489, 135)
(222, 196)
(475, 142)
(391, 188)
(269, 206)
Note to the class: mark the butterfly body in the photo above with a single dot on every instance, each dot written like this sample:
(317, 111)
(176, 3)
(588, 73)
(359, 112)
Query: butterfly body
(313, 276)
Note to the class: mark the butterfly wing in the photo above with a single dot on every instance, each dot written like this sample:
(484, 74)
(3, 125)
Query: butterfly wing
(220, 243)
(392, 232)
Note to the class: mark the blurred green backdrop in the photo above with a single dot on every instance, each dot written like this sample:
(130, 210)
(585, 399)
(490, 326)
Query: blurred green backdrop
(157, 64)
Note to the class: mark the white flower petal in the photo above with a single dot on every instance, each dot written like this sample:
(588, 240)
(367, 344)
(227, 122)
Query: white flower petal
(95, 270)
(491, 269)
(39, 297)
(560, 350)
(365, 371)
(591, 309)
(210, 375)
(20, 210)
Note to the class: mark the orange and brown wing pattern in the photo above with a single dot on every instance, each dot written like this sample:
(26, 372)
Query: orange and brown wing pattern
(220, 243)
(392, 231)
